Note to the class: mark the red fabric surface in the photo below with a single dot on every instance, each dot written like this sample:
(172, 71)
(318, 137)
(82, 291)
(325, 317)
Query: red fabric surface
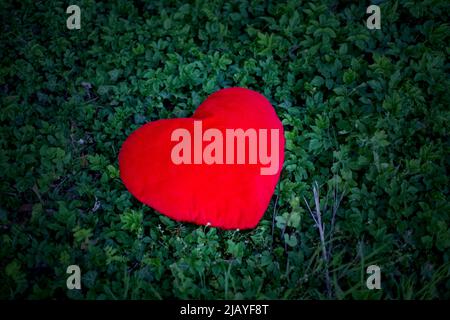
(227, 196)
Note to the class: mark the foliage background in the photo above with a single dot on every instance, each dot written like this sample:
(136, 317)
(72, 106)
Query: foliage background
(365, 112)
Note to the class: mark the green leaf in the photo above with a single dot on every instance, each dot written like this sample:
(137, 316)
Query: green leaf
(291, 240)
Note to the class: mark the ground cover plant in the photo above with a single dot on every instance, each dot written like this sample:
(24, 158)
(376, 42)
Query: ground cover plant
(366, 123)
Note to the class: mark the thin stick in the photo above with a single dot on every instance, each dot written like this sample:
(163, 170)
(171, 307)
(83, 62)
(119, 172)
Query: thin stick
(273, 216)
(317, 216)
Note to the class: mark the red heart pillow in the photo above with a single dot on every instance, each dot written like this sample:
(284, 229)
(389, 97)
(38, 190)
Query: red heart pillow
(219, 167)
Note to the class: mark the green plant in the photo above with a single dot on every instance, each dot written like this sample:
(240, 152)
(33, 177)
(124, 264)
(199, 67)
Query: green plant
(365, 112)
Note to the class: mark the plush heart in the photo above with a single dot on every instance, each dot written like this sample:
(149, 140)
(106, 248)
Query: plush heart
(190, 173)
